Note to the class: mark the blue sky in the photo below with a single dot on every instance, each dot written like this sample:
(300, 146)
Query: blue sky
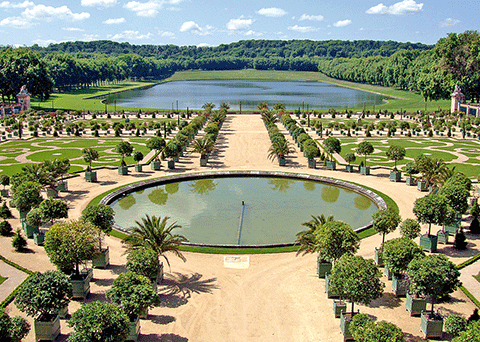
(213, 22)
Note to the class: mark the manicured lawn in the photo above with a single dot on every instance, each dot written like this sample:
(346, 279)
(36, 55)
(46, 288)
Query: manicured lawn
(2, 279)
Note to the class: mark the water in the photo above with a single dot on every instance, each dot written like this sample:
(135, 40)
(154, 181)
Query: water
(210, 211)
(194, 94)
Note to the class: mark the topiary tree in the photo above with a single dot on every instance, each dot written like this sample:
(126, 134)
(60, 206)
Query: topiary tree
(18, 241)
(434, 276)
(137, 156)
(5, 212)
(125, 149)
(431, 209)
(5, 228)
(143, 261)
(99, 322)
(385, 221)
(334, 239)
(332, 145)
(157, 144)
(350, 157)
(367, 330)
(356, 279)
(459, 178)
(43, 295)
(410, 228)
(358, 324)
(4, 180)
(395, 153)
(70, 243)
(35, 218)
(456, 195)
(13, 329)
(411, 168)
(27, 196)
(460, 241)
(89, 155)
(475, 212)
(365, 148)
(101, 216)
(455, 324)
(53, 209)
(399, 252)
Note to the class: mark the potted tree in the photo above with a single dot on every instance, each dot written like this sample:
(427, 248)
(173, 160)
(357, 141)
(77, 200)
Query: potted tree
(51, 209)
(97, 321)
(457, 197)
(365, 148)
(69, 244)
(103, 218)
(32, 222)
(431, 209)
(138, 157)
(27, 196)
(280, 149)
(332, 145)
(433, 276)
(311, 151)
(203, 146)
(410, 228)
(156, 144)
(171, 151)
(89, 155)
(13, 329)
(135, 294)
(395, 153)
(145, 262)
(4, 180)
(385, 221)
(411, 170)
(363, 328)
(350, 158)
(125, 149)
(42, 296)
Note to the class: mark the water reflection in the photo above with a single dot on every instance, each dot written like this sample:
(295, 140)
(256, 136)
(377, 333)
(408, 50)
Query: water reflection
(158, 196)
(203, 186)
(330, 194)
(362, 203)
(280, 184)
(309, 186)
(126, 202)
(171, 188)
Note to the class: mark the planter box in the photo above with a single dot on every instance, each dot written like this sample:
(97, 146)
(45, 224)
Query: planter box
(431, 327)
(378, 257)
(102, 259)
(411, 181)
(134, 330)
(39, 238)
(91, 176)
(28, 229)
(323, 267)
(81, 287)
(415, 305)
(62, 186)
(175, 158)
(451, 229)
(387, 273)
(155, 165)
(4, 192)
(428, 243)
(52, 193)
(328, 289)
(365, 170)
(331, 165)
(399, 285)
(345, 320)
(312, 163)
(395, 176)
(47, 331)
(123, 170)
(281, 161)
(203, 161)
(349, 168)
(442, 237)
(339, 307)
(63, 313)
(422, 186)
(171, 164)
(143, 313)
(138, 168)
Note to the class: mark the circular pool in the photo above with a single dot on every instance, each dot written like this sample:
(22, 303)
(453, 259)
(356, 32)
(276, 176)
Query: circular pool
(244, 208)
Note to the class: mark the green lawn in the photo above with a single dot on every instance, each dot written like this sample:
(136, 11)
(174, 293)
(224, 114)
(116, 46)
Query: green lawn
(2, 279)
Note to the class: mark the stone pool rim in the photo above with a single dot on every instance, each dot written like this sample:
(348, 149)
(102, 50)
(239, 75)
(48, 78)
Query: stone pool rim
(129, 188)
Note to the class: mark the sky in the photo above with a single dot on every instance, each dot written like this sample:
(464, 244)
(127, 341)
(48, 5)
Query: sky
(215, 22)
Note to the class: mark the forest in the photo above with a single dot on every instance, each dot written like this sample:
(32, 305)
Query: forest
(432, 71)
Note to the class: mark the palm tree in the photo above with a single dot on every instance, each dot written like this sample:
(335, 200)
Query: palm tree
(269, 117)
(306, 239)
(208, 106)
(262, 105)
(279, 107)
(280, 148)
(434, 171)
(155, 233)
(203, 146)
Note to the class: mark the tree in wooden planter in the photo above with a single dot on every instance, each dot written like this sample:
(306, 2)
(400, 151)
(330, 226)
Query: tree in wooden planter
(433, 276)
(410, 228)
(364, 328)
(33, 221)
(42, 296)
(311, 151)
(365, 148)
(433, 170)
(89, 155)
(27, 196)
(350, 158)
(135, 294)
(145, 262)
(103, 218)
(125, 149)
(53, 209)
(431, 209)
(332, 145)
(395, 153)
(155, 144)
(98, 321)
(171, 151)
(411, 170)
(4, 180)
(203, 146)
(69, 244)
(280, 149)
(384, 221)
(138, 157)
(457, 198)
(57, 168)
(13, 329)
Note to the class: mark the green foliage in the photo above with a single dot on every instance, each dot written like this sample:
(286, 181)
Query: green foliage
(410, 228)
(18, 241)
(365, 148)
(143, 261)
(411, 168)
(5, 228)
(89, 155)
(460, 241)
(332, 145)
(5, 212)
(306, 239)
(99, 322)
(396, 153)
(350, 157)
(385, 221)
(68, 244)
(475, 209)
(137, 156)
(455, 324)
(433, 170)
(155, 143)
(125, 149)
(4, 180)
(433, 275)
(133, 292)
(358, 324)
(382, 331)
(53, 209)
(100, 215)
(27, 196)
(431, 209)
(471, 334)
(44, 294)
(397, 253)
(12, 329)
(35, 217)
(456, 195)
(458, 178)
(334, 239)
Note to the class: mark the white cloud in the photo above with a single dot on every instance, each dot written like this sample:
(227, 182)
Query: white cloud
(399, 8)
(204, 45)
(130, 35)
(16, 22)
(99, 3)
(272, 12)
(449, 22)
(166, 34)
(302, 29)
(191, 26)
(149, 8)
(49, 13)
(115, 21)
(253, 33)
(342, 23)
(239, 24)
(89, 37)
(72, 29)
(44, 42)
(311, 17)
(8, 4)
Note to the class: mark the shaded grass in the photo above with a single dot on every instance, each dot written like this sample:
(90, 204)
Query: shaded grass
(2, 279)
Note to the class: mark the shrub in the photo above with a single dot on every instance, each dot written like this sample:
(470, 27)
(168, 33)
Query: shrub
(410, 228)
(455, 324)
(143, 261)
(460, 240)
(5, 228)
(18, 241)
(5, 212)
